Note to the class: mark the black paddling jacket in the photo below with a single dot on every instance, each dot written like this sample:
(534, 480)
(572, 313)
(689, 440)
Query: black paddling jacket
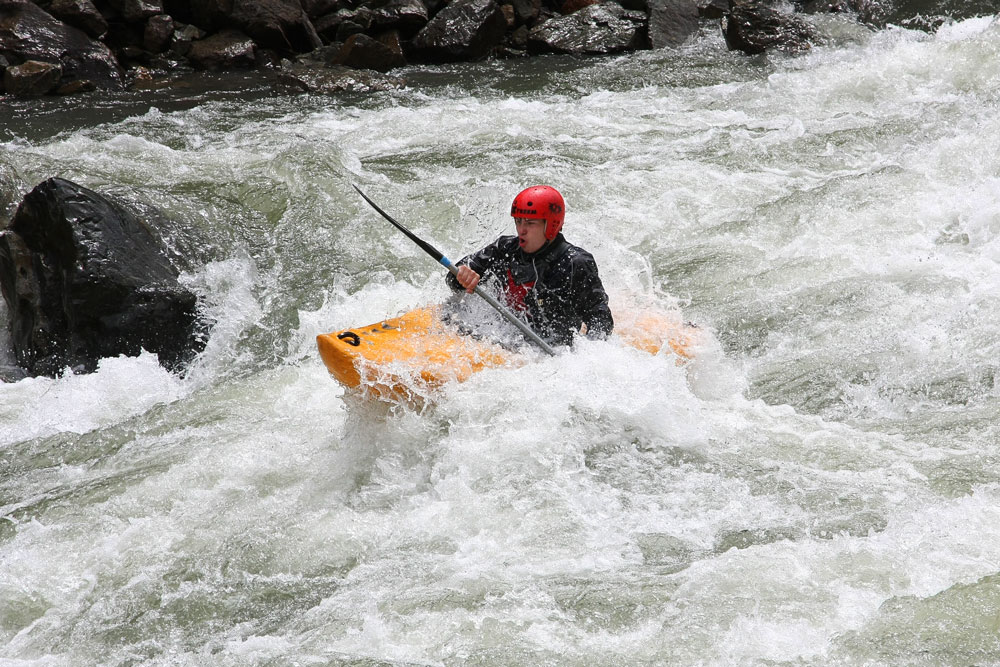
(559, 285)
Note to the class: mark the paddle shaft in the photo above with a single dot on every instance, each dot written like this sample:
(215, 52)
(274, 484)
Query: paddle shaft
(446, 263)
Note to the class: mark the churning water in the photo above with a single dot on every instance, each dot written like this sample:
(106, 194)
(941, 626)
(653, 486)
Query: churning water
(820, 486)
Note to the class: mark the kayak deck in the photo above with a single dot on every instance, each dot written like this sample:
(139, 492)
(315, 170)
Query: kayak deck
(407, 356)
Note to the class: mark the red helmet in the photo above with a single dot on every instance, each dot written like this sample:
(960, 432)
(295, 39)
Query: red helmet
(541, 202)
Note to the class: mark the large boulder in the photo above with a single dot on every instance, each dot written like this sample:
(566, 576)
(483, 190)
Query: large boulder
(84, 278)
(158, 32)
(134, 11)
(276, 24)
(82, 14)
(671, 22)
(27, 32)
(317, 8)
(754, 27)
(208, 15)
(406, 16)
(463, 30)
(598, 29)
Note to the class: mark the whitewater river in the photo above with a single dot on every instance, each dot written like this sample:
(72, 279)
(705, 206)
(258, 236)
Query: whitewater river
(821, 485)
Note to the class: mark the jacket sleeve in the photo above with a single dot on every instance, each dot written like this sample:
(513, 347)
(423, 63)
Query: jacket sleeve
(483, 262)
(591, 299)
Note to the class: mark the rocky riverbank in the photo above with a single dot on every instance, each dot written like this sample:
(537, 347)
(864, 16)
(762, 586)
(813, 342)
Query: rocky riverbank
(60, 47)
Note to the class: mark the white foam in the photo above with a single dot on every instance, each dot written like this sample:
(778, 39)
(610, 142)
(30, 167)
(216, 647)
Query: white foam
(120, 388)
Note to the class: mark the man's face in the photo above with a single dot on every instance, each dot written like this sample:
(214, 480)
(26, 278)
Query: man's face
(530, 234)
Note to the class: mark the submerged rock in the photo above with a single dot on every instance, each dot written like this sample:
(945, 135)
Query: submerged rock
(85, 279)
(337, 79)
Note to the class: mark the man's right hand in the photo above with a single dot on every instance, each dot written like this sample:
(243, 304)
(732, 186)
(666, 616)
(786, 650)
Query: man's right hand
(467, 278)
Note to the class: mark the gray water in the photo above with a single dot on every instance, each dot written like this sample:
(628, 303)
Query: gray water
(819, 486)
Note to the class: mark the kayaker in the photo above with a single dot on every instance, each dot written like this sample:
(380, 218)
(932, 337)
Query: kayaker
(552, 283)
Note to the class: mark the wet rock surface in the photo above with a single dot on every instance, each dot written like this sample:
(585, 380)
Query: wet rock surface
(595, 29)
(85, 278)
(28, 33)
(108, 44)
(753, 27)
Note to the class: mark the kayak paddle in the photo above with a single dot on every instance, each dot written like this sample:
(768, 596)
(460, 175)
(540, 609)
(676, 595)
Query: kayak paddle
(446, 263)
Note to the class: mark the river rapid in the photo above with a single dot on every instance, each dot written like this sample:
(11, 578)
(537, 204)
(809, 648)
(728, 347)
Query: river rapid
(820, 485)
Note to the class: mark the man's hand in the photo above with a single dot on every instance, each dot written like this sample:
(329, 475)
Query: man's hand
(467, 278)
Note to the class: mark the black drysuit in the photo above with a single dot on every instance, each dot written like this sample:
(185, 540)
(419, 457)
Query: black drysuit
(556, 289)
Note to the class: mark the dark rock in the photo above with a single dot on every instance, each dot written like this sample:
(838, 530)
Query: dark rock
(671, 22)
(463, 30)
(526, 11)
(74, 87)
(509, 15)
(28, 33)
(85, 279)
(276, 24)
(289, 83)
(348, 28)
(712, 9)
(224, 50)
(324, 55)
(353, 21)
(326, 27)
(32, 78)
(81, 14)
(518, 38)
(643, 5)
(752, 27)
(122, 35)
(158, 33)
(315, 9)
(339, 79)
(10, 193)
(184, 36)
(209, 15)
(920, 14)
(598, 29)
(136, 11)
(407, 16)
(130, 55)
(824, 7)
(570, 6)
(362, 52)
(394, 42)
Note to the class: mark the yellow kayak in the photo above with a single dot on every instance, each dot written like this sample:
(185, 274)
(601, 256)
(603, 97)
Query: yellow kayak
(407, 356)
